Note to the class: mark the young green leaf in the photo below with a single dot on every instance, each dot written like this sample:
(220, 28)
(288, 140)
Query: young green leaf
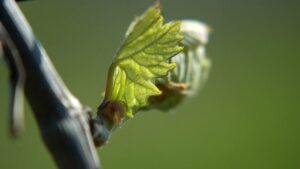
(143, 57)
(192, 68)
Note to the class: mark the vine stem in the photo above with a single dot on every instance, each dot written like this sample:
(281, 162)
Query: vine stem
(61, 118)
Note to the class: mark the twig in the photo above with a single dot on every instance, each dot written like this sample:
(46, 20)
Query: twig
(17, 77)
(62, 120)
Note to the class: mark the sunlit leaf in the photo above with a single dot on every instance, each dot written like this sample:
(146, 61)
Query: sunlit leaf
(143, 57)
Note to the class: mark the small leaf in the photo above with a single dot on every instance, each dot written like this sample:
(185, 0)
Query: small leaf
(143, 57)
(192, 68)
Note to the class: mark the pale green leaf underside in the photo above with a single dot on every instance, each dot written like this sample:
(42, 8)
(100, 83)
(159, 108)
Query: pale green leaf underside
(144, 56)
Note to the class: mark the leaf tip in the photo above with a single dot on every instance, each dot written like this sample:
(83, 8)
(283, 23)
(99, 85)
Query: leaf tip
(180, 48)
(129, 114)
(172, 65)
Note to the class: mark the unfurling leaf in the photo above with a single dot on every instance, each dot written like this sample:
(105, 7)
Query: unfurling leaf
(192, 68)
(143, 57)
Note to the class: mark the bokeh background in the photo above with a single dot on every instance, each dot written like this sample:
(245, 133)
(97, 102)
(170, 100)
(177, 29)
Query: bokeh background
(247, 116)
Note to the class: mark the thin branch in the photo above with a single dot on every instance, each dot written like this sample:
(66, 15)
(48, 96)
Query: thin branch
(62, 120)
(17, 79)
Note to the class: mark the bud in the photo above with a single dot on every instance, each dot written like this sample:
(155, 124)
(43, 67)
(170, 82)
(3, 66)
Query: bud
(192, 68)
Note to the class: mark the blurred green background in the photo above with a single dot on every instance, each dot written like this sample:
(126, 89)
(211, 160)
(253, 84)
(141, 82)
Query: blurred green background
(247, 116)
